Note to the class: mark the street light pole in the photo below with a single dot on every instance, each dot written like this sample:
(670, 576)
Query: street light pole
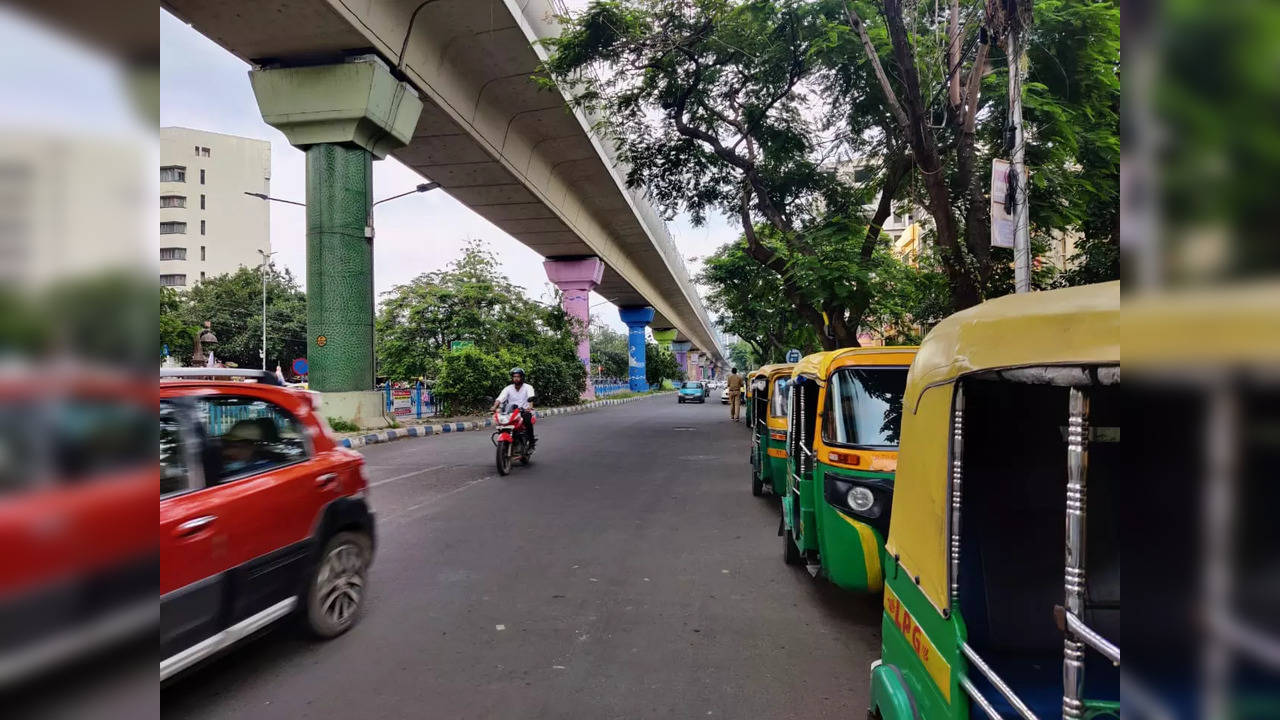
(263, 271)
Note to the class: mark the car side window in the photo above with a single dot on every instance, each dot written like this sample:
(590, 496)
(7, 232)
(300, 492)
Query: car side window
(175, 475)
(248, 436)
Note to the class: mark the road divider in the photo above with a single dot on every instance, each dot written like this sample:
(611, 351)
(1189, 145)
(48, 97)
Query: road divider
(359, 440)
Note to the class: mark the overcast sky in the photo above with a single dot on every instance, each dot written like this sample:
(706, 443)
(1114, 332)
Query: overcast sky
(204, 87)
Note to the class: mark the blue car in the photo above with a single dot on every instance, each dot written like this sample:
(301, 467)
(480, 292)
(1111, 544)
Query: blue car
(692, 391)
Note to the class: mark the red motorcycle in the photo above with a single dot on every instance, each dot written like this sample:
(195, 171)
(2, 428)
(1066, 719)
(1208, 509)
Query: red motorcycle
(510, 439)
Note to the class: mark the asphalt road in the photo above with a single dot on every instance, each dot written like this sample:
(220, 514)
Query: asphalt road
(627, 573)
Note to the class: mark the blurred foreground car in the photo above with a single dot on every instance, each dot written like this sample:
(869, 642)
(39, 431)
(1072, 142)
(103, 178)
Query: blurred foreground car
(262, 515)
(77, 480)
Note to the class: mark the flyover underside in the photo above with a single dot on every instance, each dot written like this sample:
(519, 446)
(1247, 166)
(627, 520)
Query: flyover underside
(511, 151)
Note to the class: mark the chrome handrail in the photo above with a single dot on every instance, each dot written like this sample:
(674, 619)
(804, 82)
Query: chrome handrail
(977, 697)
(1092, 638)
(999, 684)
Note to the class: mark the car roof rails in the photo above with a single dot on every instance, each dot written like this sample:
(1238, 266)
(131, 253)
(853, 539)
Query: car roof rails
(265, 377)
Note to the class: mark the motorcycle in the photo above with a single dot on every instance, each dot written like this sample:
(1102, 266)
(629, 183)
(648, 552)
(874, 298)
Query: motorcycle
(510, 440)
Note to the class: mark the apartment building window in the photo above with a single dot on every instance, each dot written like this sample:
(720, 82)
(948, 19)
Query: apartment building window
(173, 228)
(173, 253)
(197, 150)
(201, 176)
(174, 173)
(175, 280)
(201, 201)
(201, 276)
(202, 151)
(173, 201)
(201, 227)
(202, 253)
(863, 174)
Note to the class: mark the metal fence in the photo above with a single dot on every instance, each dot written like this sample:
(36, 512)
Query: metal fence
(420, 402)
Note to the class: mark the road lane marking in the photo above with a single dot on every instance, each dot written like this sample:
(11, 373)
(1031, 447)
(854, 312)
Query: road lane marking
(407, 475)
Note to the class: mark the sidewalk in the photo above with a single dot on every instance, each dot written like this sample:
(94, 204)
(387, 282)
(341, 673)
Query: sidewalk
(360, 439)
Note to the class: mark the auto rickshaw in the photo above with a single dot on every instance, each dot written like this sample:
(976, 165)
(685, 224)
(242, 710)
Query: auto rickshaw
(768, 418)
(842, 452)
(1012, 409)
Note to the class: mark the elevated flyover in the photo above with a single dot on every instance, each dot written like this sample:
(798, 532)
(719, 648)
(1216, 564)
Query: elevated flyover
(487, 133)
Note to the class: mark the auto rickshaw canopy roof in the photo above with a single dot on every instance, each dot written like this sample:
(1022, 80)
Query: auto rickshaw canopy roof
(811, 365)
(1075, 326)
(773, 369)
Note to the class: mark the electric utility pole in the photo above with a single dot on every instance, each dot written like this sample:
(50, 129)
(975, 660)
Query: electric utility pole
(1017, 160)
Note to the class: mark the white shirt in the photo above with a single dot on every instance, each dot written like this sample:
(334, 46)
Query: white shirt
(511, 397)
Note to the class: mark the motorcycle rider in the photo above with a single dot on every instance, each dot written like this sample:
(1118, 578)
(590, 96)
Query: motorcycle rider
(518, 394)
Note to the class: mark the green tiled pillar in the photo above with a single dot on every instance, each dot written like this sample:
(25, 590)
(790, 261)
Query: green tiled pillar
(344, 116)
(339, 267)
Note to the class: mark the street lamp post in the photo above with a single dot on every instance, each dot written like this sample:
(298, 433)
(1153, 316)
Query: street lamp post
(263, 271)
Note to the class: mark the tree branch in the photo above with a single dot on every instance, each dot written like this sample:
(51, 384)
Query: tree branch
(894, 106)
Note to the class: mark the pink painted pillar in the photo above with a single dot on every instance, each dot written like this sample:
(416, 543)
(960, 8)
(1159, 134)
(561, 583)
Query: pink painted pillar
(681, 350)
(576, 279)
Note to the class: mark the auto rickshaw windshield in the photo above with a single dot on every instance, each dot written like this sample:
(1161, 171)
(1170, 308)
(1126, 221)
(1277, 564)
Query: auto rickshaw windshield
(864, 407)
(779, 401)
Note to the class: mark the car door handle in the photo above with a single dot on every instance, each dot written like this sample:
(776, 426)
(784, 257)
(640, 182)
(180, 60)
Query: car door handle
(194, 525)
(326, 480)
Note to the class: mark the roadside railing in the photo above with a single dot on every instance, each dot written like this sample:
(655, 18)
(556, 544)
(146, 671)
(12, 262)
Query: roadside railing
(409, 402)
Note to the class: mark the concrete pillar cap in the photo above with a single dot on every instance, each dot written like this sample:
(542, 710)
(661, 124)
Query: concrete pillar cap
(357, 102)
(577, 271)
(633, 316)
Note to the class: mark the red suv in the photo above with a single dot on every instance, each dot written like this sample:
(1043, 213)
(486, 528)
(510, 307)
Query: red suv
(262, 515)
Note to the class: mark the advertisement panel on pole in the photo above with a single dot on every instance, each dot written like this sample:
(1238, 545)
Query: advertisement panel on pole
(1002, 221)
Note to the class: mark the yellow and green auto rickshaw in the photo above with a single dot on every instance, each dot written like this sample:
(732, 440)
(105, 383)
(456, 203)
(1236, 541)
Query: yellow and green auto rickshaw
(846, 410)
(1012, 409)
(768, 418)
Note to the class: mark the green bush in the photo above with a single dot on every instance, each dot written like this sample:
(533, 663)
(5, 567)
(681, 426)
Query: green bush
(660, 364)
(469, 380)
(340, 425)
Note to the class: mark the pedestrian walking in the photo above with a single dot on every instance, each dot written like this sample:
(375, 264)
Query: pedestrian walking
(734, 385)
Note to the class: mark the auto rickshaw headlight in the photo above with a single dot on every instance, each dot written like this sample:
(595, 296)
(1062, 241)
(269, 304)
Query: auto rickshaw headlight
(860, 498)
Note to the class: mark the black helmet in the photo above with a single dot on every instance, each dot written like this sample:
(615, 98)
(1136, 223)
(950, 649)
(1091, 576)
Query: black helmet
(519, 370)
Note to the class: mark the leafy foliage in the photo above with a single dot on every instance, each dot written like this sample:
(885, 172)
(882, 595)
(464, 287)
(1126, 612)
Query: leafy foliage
(232, 303)
(472, 300)
(746, 109)
(609, 351)
(660, 364)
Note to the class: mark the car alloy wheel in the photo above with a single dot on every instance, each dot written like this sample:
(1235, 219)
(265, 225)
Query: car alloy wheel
(337, 591)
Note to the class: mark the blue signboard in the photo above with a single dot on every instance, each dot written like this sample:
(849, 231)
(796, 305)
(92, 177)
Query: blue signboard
(793, 355)
(300, 366)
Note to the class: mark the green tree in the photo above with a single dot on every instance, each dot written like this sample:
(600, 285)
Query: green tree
(232, 303)
(743, 356)
(747, 297)
(174, 330)
(706, 104)
(469, 300)
(472, 300)
(609, 350)
(659, 364)
(941, 75)
(744, 108)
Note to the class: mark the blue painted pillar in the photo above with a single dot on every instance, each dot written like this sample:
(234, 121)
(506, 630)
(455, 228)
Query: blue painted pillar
(637, 319)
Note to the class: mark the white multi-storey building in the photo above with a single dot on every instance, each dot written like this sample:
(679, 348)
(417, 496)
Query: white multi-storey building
(208, 225)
